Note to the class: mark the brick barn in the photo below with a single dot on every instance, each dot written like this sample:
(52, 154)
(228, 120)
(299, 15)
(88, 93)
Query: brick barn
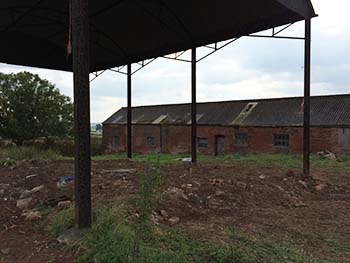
(245, 126)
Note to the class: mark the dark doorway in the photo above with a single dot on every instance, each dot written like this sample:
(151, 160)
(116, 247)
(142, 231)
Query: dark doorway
(220, 145)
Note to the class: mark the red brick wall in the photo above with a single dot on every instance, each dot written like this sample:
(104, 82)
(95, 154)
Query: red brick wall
(110, 132)
(177, 139)
(139, 138)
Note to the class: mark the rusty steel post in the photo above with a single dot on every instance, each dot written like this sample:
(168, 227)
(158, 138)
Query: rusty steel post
(194, 107)
(307, 73)
(129, 114)
(81, 70)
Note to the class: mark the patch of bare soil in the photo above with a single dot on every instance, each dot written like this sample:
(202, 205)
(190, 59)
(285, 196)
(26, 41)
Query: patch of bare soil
(268, 201)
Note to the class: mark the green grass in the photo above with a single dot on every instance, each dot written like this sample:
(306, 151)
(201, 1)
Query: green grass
(254, 250)
(111, 240)
(338, 245)
(150, 157)
(12, 154)
(62, 221)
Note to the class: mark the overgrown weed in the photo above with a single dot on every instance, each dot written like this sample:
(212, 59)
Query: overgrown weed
(124, 233)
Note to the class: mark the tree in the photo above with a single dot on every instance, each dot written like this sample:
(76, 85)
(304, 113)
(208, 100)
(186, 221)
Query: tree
(31, 108)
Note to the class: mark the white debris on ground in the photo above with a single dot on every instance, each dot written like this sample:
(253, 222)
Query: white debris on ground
(328, 155)
(184, 159)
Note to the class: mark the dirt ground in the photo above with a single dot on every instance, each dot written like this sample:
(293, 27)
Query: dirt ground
(268, 201)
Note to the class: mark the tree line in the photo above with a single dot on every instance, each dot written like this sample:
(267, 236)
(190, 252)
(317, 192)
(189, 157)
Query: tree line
(31, 108)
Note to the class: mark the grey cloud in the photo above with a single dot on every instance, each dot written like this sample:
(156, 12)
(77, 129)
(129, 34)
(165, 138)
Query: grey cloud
(249, 68)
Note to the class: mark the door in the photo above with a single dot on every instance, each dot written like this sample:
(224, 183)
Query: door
(344, 137)
(220, 145)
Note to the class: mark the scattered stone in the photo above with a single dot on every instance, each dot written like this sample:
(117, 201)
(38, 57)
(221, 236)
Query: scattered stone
(119, 182)
(216, 181)
(215, 203)
(187, 186)
(126, 171)
(320, 187)
(32, 215)
(163, 213)
(183, 196)
(262, 176)
(156, 219)
(31, 176)
(55, 200)
(27, 193)
(64, 204)
(174, 220)
(219, 193)
(280, 188)
(175, 192)
(105, 186)
(72, 236)
(5, 251)
(37, 188)
(241, 185)
(23, 203)
(296, 202)
(328, 155)
(2, 191)
(197, 184)
(300, 204)
(4, 186)
(302, 183)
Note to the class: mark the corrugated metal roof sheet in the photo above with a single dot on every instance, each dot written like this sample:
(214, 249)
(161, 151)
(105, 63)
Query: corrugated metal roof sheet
(154, 28)
(325, 111)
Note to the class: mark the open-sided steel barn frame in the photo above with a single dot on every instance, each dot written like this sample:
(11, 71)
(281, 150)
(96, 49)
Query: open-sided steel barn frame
(109, 33)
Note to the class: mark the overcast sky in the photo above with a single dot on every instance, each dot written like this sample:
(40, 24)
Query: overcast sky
(247, 69)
